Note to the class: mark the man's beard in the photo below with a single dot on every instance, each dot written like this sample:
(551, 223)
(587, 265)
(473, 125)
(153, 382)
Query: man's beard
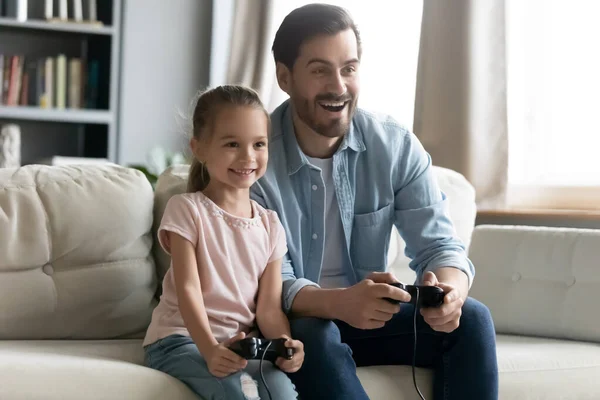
(335, 127)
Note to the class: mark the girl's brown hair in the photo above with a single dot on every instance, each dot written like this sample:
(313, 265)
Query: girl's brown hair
(208, 105)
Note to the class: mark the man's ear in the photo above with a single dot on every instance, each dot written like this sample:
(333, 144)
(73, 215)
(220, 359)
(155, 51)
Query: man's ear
(284, 77)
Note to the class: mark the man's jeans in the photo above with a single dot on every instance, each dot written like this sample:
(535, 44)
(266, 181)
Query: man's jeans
(464, 361)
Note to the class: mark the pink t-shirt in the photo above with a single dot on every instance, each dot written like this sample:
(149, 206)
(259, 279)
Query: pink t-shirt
(232, 254)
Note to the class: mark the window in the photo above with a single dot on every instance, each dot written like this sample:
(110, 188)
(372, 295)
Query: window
(390, 33)
(553, 72)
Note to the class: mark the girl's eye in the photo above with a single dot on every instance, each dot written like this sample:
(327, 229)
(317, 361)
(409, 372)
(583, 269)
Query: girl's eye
(261, 144)
(231, 144)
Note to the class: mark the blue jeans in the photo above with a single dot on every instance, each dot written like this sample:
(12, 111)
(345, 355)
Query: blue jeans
(464, 361)
(179, 357)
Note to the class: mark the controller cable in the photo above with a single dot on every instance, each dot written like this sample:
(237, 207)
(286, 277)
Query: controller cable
(415, 343)
(262, 377)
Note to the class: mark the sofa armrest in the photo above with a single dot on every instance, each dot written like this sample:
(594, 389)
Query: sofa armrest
(539, 281)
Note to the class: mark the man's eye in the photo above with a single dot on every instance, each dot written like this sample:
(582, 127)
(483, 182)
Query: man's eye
(319, 71)
(350, 70)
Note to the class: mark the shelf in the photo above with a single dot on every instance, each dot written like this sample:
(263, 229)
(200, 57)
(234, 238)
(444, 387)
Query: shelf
(55, 115)
(44, 25)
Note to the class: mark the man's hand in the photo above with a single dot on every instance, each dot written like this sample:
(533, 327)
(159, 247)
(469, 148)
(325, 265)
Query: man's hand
(382, 277)
(293, 365)
(363, 305)
(445, 318)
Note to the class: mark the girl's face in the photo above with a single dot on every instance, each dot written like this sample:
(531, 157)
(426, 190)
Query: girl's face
(235, 152)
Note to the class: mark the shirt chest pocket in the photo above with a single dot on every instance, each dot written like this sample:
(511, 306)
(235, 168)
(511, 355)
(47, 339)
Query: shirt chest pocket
(370, 238)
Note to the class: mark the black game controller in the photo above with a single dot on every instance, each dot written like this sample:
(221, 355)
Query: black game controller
(429, 296)
(254, 348)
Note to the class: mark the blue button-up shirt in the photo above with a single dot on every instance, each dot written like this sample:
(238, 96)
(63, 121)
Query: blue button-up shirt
(382, 177)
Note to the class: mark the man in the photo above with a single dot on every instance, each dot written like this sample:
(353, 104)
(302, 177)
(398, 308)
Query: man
(340, 178)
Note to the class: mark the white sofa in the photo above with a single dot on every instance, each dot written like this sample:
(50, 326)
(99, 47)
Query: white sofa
(78, 276)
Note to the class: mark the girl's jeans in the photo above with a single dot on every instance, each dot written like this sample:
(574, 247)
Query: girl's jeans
(179, 357)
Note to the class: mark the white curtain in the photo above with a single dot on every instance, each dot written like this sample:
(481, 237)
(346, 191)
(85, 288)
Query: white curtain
(553, 85)
(460, 106)
(243, 32)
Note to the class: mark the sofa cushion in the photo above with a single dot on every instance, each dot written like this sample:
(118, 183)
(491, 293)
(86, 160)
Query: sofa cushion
(172, 181)
(539, 281)
(75, 370)
(535, 368)
(75, 249)
(530, 368)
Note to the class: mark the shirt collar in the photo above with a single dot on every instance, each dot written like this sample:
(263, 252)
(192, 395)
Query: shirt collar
(295, 157)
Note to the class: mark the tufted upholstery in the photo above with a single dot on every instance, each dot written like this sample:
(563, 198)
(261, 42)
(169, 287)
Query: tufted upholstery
(539, 281)
(75, 252)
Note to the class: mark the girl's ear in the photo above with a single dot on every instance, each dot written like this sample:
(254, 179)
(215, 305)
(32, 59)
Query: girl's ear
(196, 148)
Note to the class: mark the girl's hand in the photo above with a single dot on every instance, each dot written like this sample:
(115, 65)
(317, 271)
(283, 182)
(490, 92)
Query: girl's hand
(223, 362)
(295, 363)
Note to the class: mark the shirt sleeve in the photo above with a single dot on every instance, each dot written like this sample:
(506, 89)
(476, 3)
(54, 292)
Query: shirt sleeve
(180, 217)
(291, 284)
(422, 215)
(278, 241)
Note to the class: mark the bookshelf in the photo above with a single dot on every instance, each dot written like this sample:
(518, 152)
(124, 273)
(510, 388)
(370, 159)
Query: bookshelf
(75, 116)
(81, 117)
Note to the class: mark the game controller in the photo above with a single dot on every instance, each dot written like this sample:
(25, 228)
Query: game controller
(429, 296)
(254, 348)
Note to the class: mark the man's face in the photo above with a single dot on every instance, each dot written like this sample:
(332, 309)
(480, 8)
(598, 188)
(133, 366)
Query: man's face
(324, 83)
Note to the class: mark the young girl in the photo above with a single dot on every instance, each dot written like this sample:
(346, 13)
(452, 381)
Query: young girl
(226, 250)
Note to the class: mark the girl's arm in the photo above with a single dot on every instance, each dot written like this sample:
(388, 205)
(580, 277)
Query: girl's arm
(270, 317)
(189, 292)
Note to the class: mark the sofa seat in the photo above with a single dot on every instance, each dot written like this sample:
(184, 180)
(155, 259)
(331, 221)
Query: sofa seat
(537, 368)
(530, 368)
(75, 370)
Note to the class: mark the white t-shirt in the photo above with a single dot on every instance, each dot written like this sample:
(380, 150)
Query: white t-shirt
(335, 255)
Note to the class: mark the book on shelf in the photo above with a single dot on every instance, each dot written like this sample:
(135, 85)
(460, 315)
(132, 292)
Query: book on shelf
(78, 11)
(48, 82)
(17, 9)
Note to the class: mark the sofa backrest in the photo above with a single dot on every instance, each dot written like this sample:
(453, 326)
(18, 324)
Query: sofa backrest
(172, 181)
(539, 281)
(75, 259)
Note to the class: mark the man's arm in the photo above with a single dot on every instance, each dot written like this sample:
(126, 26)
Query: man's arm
(422, 217)
(423, 220)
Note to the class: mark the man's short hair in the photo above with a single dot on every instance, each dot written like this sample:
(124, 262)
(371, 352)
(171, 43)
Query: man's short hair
(305, 23)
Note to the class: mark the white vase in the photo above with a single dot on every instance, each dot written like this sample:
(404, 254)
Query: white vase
(10, 146)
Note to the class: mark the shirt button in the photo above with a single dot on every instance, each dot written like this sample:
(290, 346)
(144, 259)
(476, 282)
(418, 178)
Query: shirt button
(314, 236)
(314, 187)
